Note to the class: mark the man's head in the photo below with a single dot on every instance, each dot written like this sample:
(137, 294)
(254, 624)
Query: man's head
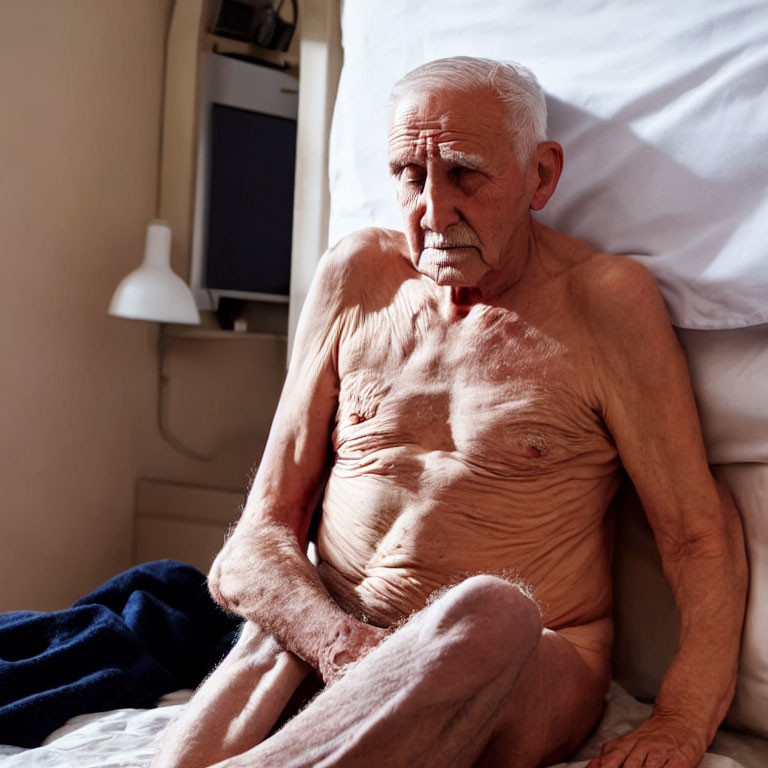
(515, 86)
(467, 151)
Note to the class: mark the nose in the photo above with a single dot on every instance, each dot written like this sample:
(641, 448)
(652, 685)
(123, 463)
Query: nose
(439, 205)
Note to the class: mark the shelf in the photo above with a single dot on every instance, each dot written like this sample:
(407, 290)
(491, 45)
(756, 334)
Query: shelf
(180, 332)
(226, 46)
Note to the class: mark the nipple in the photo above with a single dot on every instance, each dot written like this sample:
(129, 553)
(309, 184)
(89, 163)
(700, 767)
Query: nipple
(357, 418)
(534, 447)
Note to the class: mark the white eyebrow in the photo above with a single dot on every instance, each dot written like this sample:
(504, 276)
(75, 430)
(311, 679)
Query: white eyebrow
(398, 160)
(465, 159)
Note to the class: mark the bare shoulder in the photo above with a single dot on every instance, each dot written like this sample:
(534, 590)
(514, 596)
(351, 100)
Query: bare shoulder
(352, 276)
(638, 361)
(371, 241)
(608, 292)
(359, 257)
(619, 299)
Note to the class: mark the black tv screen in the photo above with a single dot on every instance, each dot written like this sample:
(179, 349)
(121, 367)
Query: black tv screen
(250, 197)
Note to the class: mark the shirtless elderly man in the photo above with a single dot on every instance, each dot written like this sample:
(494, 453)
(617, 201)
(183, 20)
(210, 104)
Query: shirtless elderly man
(466, 393)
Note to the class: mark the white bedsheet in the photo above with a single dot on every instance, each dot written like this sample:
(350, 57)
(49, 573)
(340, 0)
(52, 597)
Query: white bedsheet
(660, 106)
(122, 738)
(125, 738)
(623, 713)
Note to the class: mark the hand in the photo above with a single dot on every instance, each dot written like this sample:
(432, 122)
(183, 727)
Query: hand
(353, 640)
(662, 740)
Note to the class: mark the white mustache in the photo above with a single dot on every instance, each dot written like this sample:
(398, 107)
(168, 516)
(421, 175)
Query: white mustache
(456, 236)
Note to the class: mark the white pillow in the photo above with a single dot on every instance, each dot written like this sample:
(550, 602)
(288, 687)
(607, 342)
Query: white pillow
(660, 106)
(729, 372)
(749, 483)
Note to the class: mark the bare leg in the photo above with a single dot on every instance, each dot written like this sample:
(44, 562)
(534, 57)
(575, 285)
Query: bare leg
(469, 681)
(430, 695)
(556, 703)
(236, 706)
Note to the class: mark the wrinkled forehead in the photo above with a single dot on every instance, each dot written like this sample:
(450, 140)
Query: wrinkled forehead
(434, 102)
(448, 122)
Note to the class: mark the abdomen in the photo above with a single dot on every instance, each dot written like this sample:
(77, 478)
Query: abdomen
(388, 544)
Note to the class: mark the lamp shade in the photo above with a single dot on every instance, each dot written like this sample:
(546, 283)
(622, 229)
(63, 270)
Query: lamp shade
(154, 291)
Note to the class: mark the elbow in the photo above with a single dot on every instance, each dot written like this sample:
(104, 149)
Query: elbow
(214, 582)
(241, 576)
(734, 530)
(222, 585)
(714, 541)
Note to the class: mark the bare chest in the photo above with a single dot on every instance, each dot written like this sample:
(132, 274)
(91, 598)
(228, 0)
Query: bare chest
(498, 394)
(464, 447)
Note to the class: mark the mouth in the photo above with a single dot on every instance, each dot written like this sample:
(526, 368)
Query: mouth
(438, 246)
(450, 253)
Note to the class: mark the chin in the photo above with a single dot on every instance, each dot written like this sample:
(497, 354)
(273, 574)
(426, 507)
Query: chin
(462, 269)
(452, 278)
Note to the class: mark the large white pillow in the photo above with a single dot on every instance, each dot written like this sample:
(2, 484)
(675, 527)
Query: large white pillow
(660, 106)
(729, 372)
(749, 483)
(646, 618)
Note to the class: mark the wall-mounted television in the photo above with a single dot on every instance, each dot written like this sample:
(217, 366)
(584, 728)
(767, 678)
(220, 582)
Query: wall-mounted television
(241, 246)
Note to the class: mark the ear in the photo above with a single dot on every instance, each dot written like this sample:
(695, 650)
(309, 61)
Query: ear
(546, 167)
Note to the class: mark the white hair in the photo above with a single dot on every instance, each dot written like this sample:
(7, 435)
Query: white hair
(515, 86)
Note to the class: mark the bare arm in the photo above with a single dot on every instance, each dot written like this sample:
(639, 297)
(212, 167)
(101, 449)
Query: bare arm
(262, 572)
(650, 410)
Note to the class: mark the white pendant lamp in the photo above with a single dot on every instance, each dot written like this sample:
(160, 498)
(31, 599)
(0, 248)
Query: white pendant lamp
(154, 291)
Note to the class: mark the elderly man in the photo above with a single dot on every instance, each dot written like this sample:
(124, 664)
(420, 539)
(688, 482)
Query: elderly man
(463, 396)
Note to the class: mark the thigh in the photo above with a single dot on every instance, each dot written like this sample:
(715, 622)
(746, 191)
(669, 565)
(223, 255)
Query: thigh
(556, 703)
(428, 695)
(236, 706)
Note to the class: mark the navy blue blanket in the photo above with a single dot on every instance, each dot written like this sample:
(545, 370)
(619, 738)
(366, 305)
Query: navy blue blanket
(148, 631)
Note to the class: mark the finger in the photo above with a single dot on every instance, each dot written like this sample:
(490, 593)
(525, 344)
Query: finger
(635, 759)
(613, 753)
(612, 759)
(655, 759)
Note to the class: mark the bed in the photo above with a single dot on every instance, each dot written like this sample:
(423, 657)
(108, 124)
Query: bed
(662, 114)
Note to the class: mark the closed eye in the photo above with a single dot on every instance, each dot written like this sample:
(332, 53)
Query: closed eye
(412, 174)
(459, 172)
(466, 178)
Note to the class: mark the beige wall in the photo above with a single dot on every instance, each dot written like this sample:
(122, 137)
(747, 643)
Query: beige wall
(79, 99)
(79, 108)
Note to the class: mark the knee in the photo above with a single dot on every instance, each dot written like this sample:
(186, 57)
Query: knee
(491, 618)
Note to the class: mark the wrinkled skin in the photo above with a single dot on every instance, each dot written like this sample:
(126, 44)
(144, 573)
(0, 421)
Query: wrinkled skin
(464, 395)
(466, 444)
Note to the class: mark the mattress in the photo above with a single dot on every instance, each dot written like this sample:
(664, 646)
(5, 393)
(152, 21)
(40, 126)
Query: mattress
(125, 738)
